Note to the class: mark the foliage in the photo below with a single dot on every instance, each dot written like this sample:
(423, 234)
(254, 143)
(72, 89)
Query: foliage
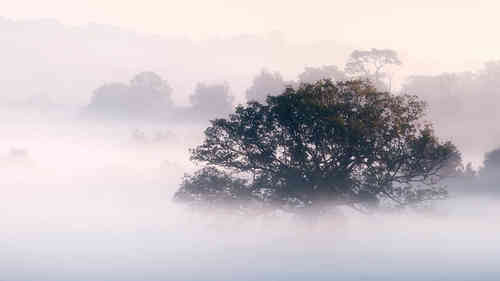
(330, 144)
(211, 189)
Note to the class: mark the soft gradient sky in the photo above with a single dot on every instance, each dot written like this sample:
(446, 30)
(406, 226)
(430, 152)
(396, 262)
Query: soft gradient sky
(358, 20)
(457, 33)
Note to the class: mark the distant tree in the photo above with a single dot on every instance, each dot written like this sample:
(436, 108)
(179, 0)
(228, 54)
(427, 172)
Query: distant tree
(461, 100)
(471, 93)
(444, 93)
(148, 91)
(109, 98)
(314, 74)
(147, 96)
(265, 84)
(489, 174)
(210, 101)
(371, 65)
(321, 146)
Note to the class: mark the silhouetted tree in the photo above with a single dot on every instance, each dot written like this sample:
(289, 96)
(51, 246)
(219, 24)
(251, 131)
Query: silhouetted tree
(210, 101)
(265, 84)
(325, 145)
(314, 74)
(371, 65)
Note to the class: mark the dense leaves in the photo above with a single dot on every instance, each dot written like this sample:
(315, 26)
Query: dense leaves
(210, 188)
(329, 144)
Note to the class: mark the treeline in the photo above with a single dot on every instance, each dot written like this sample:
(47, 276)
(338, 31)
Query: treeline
(149, 97)
(459, 95)
(460, 104)
(463, 106)
(485, 180)
(465, 96)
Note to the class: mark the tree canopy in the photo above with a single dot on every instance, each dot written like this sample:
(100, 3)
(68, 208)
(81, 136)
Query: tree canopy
(320, 146)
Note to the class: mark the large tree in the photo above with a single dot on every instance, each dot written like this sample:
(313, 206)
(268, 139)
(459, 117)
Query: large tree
(319, 146)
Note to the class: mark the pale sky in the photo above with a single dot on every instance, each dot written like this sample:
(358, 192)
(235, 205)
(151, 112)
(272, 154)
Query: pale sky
(448, 30)
(301, 20)
(458, 34)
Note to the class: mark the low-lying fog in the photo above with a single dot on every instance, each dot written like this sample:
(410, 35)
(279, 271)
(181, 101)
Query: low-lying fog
(93, 201)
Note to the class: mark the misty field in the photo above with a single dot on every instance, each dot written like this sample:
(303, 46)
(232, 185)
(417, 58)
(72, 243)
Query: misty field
(83, 202)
